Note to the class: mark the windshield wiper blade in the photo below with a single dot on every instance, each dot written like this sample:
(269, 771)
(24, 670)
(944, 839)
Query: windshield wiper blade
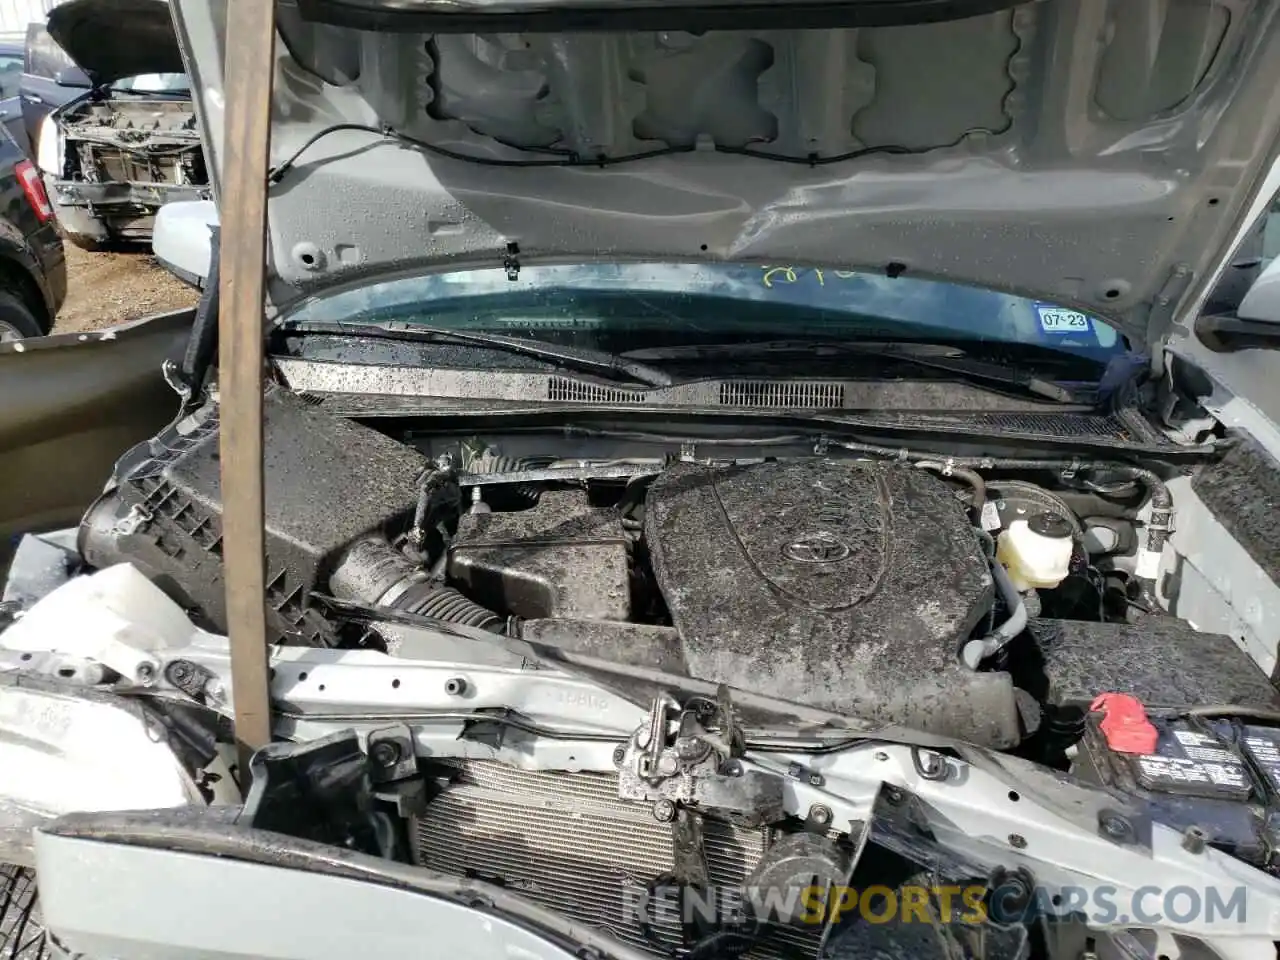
(581, 359)
(935, 356)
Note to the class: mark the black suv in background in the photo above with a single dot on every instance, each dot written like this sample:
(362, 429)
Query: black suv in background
(33, 266)
(48, 80)
(12, 56)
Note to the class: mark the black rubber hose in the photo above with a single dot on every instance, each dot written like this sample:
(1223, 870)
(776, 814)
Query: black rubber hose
(430, 599)
(964, 474)
(373, 571)
(1161, 500)
(1157, 528)
(436, 487)
(1161, 506)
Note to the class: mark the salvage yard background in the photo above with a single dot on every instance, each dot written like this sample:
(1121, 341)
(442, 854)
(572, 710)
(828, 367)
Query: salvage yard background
(109, 287)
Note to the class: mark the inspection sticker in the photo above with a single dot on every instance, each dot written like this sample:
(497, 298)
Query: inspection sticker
(1058, 320)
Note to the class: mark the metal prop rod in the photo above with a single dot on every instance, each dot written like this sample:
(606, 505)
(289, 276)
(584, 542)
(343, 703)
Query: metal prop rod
(249, 70)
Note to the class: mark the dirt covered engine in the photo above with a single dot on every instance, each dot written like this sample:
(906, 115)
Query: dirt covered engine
(851, 586)
(846, 585)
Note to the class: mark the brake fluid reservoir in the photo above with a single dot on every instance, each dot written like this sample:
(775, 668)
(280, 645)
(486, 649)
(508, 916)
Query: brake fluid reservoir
(1037, 551)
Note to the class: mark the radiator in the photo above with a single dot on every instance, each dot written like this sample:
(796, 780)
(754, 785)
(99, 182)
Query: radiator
(566, 842)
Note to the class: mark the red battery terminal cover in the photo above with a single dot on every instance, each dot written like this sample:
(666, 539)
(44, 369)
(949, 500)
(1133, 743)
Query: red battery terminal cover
(1125, 725)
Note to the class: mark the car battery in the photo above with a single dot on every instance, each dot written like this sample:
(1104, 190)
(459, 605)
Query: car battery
(1219, 776)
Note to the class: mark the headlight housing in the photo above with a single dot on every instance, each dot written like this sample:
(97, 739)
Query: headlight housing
(49, 147)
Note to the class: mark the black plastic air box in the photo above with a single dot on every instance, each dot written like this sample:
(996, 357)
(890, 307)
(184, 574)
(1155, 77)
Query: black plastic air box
(328, 481)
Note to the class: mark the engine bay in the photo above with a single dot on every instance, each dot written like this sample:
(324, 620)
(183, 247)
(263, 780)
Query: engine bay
(123, 157)
(134, 140)
(1010, 605)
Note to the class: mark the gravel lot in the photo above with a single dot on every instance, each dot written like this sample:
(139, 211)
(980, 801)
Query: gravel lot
(108, 288)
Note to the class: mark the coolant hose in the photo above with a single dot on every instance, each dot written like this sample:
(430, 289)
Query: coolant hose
(975, 651)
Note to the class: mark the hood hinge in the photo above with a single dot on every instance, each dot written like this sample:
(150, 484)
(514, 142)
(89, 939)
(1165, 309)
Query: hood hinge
(1160, 317)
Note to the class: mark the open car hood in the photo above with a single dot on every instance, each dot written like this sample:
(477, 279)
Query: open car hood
(113, 39)
(1095, 153)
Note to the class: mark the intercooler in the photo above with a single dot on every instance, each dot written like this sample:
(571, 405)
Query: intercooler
(566, 842)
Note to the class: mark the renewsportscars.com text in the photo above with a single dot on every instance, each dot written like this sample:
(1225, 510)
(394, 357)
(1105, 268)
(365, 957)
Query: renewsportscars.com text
(975, 903)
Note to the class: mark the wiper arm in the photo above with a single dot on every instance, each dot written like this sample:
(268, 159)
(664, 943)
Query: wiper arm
(581, 359)
(934, 356)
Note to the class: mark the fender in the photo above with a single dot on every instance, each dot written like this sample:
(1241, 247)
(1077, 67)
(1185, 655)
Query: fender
(70, 406)
(65, 748)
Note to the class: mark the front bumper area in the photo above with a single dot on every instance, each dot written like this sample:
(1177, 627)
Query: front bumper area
(100, 212)
(281, 876)
(65, 749)
(173, 886)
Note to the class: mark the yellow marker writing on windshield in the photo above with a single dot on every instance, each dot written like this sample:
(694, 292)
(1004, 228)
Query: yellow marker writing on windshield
(774, 275)
(788, 275)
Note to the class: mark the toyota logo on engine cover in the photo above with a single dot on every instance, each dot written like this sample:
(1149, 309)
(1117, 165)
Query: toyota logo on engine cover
(816, 548)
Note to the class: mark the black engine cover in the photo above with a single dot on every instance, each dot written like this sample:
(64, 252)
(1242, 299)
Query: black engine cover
(846, 585)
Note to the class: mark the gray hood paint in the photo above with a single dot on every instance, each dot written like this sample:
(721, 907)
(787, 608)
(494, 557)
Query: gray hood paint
(1096, 153)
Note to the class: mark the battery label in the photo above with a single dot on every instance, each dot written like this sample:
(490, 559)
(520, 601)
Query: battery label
(1263, 747)
(1202, 746)
(1190, 771)
(1193, 763)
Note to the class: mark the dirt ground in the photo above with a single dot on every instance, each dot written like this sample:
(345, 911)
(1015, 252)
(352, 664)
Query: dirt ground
(107, 288)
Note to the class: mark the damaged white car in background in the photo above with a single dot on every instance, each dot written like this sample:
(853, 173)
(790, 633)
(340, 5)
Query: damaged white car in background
(115, 156)
(793, 480)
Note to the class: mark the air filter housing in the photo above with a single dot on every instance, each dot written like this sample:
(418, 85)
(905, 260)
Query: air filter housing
(328, 482)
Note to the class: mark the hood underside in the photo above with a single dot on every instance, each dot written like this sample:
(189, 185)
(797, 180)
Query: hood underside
(113, 39)
(1096, 153)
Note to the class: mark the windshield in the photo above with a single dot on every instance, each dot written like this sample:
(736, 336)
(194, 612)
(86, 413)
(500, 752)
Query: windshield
(155, 83)
(637, 305)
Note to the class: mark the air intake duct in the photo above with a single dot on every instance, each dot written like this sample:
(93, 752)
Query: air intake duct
(373, 571)
(334, 489)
